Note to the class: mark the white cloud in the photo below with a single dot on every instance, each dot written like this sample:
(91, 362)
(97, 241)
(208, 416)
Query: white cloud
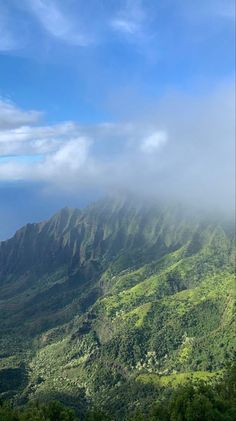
(58, 166)
(57, 23)
(153, 142)
(80, 23)
(68, 159)
(130, 20)
(126, 26)
(19, 135)
(194, 162)
(12, 116)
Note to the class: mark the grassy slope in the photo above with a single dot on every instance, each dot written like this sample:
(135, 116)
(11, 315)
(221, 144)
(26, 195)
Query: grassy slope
(148, 329)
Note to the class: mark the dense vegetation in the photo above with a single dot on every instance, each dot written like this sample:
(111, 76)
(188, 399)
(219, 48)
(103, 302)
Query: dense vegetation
(199, 401)
(115, 306)
(193, 401)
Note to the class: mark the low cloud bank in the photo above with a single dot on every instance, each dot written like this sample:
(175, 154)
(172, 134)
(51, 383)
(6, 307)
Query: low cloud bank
(182, 150)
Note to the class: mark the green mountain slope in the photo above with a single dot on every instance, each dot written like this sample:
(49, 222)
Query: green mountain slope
(115, 302)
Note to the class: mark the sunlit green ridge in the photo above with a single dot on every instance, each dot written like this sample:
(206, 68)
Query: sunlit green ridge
(119, 296)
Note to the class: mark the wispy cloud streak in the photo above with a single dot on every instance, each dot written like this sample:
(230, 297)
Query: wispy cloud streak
(58, 23)
(130, 20)
(8, 41)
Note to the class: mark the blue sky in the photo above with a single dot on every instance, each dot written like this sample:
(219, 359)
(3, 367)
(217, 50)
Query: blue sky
(86, 88)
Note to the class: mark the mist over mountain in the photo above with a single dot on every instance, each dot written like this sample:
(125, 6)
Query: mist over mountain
(117, 210)
(181, 149)
(117, 296)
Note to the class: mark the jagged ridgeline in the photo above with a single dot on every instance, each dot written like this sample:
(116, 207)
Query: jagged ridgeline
(114, 304)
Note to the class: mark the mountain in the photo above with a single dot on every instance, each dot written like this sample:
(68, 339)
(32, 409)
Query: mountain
(115, 304)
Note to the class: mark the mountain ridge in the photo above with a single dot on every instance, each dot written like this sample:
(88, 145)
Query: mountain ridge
(99, 297)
